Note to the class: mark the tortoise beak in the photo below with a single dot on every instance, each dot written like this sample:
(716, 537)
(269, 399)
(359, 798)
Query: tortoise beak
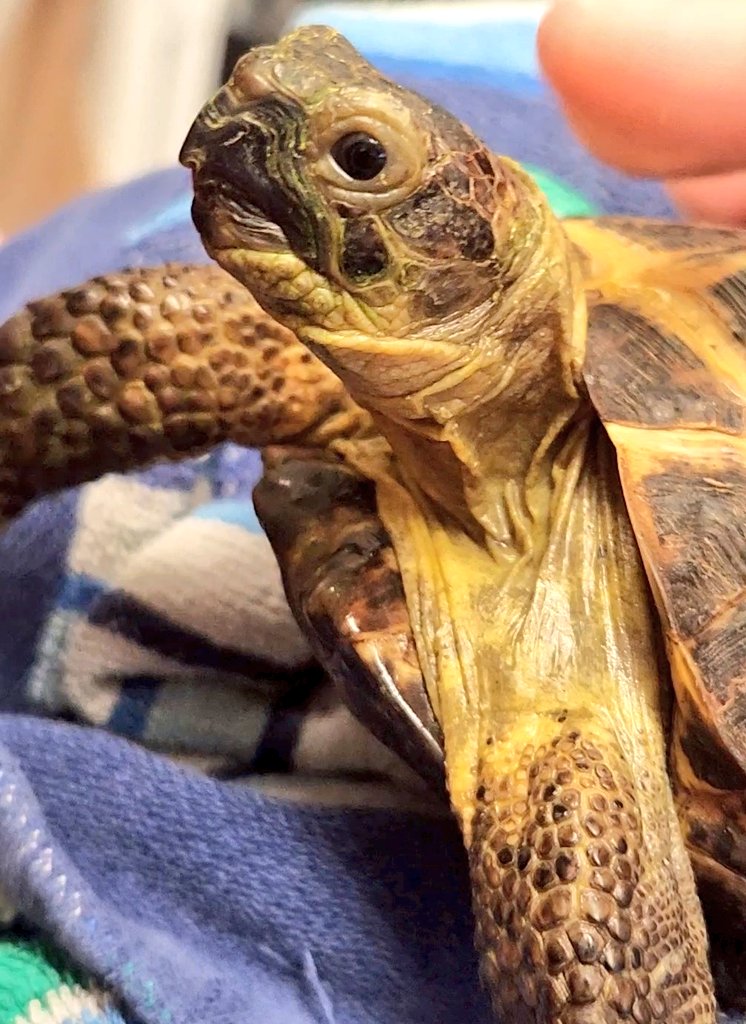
(237, 203)
(214, 117)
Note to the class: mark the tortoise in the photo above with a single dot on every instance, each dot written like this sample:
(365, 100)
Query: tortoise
(505, 475)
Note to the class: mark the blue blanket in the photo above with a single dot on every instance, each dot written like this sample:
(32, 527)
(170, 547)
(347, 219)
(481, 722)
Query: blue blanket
(200, 897)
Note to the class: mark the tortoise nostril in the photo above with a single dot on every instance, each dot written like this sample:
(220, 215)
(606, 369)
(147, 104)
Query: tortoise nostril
(215, 119)
(193, 151)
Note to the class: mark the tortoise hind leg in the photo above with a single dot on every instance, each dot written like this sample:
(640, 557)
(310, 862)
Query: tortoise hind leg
(343, 584)
(148, 364)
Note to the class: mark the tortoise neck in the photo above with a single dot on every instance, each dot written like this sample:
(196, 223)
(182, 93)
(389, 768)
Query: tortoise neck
(485, 443)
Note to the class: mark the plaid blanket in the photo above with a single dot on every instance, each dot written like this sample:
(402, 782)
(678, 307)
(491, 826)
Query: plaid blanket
(170, 628)
(227, 844)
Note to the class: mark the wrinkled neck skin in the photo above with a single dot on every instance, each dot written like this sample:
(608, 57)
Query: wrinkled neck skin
(485, 442)
(493, 460)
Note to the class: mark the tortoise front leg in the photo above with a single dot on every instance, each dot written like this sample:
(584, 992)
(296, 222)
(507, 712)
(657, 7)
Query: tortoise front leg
(344, 586)
(149, 364)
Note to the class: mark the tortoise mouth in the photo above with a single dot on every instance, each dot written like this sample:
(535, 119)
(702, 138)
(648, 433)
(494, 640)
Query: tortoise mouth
(226, 218)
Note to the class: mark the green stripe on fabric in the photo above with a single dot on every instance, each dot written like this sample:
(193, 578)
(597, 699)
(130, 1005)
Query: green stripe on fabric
(28, 971)
(565, 200)
(38, 986)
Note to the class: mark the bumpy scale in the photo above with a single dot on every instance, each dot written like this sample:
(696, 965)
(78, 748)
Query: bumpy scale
(147, 364)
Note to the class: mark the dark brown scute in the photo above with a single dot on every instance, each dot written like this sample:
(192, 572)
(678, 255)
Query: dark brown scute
(638, 373)
(715, 836)
(344, 586)
(689, 517)
(701, 532)
(719, 653)
(710, 761)
(699, 523)
(730, 294)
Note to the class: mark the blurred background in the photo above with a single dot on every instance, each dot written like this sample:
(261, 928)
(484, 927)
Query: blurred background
(94, 92)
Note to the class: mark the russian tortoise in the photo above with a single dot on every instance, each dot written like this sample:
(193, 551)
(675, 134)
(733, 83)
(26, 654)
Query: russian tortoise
(505, 477)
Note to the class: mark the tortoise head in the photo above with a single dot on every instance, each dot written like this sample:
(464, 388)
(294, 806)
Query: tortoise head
(358, 213)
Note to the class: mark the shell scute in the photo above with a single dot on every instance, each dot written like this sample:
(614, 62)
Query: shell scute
(666, 371)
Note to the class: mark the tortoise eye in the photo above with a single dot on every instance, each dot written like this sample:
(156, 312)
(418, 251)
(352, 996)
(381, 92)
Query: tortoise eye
(359, 155)
(365, 160)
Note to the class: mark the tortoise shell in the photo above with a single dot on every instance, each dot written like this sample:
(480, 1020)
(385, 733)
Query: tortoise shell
(666, 371)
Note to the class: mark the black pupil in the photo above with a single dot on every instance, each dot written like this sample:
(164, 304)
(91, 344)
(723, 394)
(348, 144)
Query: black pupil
(359, 155)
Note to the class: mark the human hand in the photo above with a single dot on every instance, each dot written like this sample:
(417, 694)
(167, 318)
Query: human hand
(658, 88)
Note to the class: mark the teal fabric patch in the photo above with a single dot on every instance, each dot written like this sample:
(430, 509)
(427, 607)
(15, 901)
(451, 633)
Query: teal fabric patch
(565, 201)
(28, 971)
